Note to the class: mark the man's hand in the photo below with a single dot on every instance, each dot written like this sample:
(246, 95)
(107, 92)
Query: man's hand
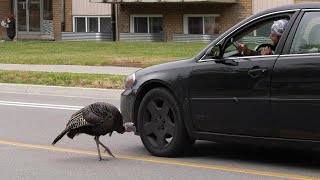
(244, 50)
(266, 51)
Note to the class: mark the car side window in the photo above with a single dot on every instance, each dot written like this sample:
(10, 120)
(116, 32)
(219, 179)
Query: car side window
(260, 38)
(252, 37)
(307, 36)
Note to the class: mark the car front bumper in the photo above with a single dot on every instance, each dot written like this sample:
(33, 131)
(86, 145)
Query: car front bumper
(127, 105)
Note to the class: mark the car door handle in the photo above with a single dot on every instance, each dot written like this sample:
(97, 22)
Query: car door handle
(256, 72)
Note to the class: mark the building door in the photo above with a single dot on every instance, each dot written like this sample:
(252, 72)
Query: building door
(29, 16)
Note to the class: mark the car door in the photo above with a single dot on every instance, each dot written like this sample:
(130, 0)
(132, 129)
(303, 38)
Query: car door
(296, 81)
(231, 95)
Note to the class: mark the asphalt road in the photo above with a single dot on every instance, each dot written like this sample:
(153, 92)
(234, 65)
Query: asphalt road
(29, 123)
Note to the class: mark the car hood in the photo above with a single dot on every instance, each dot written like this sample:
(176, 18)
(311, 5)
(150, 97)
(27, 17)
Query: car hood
(165, 66)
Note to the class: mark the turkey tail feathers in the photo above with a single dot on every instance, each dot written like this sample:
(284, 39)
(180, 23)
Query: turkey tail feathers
(60, 136)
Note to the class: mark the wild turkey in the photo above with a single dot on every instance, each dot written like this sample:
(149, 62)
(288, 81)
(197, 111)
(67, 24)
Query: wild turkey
(97, 119)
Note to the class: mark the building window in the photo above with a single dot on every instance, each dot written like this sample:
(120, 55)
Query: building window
(199, 24)
(92, 24)
(80, 24)
(105, 24)
(146, 24)
(47, 10)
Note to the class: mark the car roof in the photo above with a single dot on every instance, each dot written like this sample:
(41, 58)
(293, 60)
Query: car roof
(310, 5)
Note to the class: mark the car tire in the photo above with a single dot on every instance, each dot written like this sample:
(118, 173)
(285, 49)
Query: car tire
(160, 123)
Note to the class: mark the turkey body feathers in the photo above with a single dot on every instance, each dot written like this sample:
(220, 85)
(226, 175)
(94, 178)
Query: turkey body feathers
(76, 121)
(95, 119)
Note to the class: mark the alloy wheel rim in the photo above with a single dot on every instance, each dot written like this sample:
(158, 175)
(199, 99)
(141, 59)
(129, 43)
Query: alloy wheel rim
(159, 123)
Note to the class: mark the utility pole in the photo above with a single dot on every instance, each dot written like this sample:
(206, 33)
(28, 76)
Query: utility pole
(63, 23)
(113, 22)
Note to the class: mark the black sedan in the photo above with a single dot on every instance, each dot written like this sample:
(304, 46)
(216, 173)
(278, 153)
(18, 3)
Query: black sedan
(227, 95)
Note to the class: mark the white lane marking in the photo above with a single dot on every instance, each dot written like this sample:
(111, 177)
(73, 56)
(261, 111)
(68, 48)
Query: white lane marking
(58, 95)
(38, 105)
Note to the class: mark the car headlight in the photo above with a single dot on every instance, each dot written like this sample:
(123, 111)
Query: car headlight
(130, 80)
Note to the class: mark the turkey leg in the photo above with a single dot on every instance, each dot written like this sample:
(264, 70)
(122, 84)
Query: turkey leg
(96, 138)
(105, 147)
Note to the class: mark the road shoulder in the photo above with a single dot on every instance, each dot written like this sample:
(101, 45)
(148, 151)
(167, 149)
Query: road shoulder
(60, 91)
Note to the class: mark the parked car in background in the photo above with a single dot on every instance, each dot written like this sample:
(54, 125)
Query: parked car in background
(221, 95)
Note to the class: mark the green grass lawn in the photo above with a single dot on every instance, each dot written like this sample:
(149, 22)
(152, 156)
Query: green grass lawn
(93, 53)
(63, 79)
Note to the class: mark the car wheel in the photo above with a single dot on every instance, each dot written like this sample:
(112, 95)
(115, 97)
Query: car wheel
(160, 124)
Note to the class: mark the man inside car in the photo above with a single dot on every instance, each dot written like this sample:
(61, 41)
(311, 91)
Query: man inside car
(277, 29)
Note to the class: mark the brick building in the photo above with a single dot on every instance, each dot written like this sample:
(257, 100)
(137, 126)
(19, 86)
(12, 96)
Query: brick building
(141, 20)
(184, 20)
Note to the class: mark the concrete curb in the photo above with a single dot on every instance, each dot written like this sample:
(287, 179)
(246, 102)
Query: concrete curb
(71, 68)
(61, 91)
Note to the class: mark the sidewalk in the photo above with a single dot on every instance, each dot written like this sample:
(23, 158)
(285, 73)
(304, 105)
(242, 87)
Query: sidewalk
(65, 91)
(61, 91)
(71, 68)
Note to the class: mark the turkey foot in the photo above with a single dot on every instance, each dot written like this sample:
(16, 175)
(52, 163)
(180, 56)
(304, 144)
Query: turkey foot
(106, 149)
(96, 138)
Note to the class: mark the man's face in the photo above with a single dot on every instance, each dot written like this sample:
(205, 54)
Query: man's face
(274, 38)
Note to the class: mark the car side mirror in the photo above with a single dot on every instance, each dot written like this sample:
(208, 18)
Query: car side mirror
(216, 52)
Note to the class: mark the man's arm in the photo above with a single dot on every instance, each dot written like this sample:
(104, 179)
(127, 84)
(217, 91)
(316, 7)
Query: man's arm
(243, 48)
